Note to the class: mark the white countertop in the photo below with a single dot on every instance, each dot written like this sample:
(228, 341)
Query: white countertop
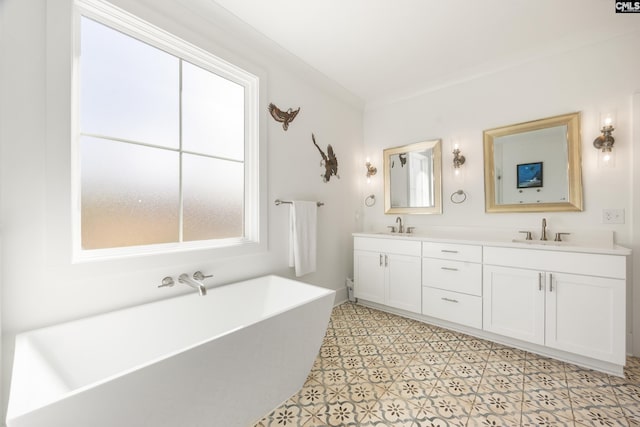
(602, 244)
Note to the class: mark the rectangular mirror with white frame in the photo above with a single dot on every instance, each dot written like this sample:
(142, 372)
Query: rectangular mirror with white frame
(412, 178)
(534, 166)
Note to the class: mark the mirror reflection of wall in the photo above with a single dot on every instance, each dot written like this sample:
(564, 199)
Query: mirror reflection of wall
(549, 149)
(410, 178)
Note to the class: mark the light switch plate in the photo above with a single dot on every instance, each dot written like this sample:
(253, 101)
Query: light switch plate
(613, 216)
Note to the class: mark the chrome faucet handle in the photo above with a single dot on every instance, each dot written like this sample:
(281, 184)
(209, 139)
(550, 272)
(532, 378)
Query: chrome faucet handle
(392, 227)
(410, 230)
(199, 275)
(167, 281)
(527, 235)
(559, 237)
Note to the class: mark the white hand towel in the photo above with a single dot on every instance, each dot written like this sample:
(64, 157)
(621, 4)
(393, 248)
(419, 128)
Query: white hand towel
(302, 237)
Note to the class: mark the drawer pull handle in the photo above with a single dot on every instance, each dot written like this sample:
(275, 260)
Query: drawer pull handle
(380, 260)
(386, 261)
(448, 251)
(450, 300)
(550, 282)
(449, 268)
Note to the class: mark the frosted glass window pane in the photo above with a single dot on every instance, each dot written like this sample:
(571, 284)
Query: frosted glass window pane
(129, 89)
(213, 196)
(129, 194)
(212, 114)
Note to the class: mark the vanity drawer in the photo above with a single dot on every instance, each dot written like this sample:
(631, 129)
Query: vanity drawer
(389, 246)
(452, 251)
(550, 260)
(457, 276)
(452, 306)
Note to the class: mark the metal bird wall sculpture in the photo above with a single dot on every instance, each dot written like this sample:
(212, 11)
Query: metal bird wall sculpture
(284, 117)
(329, 162)
(403, 160)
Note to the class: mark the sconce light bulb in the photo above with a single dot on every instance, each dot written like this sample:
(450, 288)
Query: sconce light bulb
(456, 171)
(607, 121)
(606, 156)
(368, 180)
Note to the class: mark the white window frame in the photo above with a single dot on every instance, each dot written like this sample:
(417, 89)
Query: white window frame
(118, 19)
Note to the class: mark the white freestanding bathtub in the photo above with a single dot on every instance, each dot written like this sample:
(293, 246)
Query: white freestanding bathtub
(224, 359)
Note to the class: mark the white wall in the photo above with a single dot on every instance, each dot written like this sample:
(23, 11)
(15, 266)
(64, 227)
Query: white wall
(635, 217)
(3, 64)
(40, 286)
(592, 79)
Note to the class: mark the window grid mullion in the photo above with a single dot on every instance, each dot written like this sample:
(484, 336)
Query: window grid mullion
(127, 141)
(180, 185)
(159, 147)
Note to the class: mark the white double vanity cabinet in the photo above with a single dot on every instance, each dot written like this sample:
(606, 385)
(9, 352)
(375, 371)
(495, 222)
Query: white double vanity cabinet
(566, 302)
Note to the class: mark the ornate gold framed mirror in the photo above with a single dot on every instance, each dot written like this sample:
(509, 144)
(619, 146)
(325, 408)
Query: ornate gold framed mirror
(412, 178)
(534, 166)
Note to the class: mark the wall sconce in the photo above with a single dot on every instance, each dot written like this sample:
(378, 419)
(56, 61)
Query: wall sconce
(458, 160)
(458, 196)
(605, 141)
(371, 170)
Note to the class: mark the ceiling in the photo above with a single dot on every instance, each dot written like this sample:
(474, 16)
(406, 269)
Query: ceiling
(381, 50)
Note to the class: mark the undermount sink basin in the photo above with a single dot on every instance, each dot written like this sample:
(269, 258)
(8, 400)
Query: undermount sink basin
(395, 234)
(540, 242)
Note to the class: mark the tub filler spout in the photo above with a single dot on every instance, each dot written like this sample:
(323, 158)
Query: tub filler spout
(184, 278)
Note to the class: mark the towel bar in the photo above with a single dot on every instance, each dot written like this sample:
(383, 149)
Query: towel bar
(279, 202)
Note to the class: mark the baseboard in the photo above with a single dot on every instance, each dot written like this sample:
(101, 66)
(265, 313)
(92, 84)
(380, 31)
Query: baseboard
(341, 296)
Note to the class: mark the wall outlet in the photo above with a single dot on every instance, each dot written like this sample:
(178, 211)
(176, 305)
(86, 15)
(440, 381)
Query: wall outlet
(613, 216)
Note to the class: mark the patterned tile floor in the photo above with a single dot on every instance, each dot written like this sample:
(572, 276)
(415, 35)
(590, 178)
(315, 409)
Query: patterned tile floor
(379, 369)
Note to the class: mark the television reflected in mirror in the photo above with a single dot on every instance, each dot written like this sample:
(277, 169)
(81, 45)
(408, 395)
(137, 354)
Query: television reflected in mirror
(529, 175)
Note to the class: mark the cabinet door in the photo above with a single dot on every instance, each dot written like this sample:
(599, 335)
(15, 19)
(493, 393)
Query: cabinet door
(369, 276)
(586, 315)
(513, 303)
(404, 287)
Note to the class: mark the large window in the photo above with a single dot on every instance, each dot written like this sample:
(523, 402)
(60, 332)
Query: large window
(167, 146)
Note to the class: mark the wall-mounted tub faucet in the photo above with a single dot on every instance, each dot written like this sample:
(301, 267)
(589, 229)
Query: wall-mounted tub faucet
(184, 278)
(543, 235)
(167, 282)
(199, 275)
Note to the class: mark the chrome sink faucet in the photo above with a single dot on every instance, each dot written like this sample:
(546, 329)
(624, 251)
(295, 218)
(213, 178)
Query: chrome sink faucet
(543, 235)
(400, 226)
(199, 286)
